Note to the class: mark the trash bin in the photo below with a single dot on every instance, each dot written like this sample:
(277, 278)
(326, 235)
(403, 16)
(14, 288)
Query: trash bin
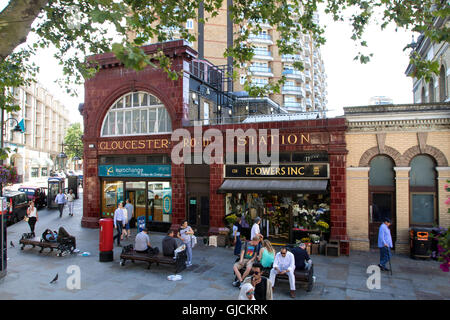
(420, 240)
(106, 240)
(141, 223)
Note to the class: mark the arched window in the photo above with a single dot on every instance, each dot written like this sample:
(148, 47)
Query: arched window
(442, 84)
(382, 196)
(422, 95)
(136, 113)
(422, 186)
(381, 171)
(431, 91)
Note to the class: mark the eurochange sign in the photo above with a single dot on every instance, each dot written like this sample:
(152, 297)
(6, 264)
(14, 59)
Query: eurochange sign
(135, 171)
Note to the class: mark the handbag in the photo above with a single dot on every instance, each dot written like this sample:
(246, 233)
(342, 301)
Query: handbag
(193, 241)
(26, 218)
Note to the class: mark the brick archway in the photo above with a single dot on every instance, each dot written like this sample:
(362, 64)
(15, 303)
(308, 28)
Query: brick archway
(375, 151)
(438, 155)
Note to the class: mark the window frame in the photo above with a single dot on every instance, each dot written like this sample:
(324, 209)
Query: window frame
(141, 109)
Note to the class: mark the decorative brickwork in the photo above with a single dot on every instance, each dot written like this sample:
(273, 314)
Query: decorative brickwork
(389, 151)
(434, 152)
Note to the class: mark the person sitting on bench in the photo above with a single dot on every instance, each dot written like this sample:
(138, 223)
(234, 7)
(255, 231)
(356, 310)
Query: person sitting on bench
(169, 244)
(63, 236)
(284, 263)
(142, 242)
(49, 235)
(302, 259)
(249, 253)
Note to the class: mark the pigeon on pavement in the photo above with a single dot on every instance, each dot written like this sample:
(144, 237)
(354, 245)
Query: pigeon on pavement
(54, 279)
(12, 244)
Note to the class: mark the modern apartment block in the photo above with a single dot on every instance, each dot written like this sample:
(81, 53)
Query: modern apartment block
(34, 152)
(303, 91)
(436, 90)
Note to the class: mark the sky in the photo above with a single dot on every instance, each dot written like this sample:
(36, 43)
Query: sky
(349, 83)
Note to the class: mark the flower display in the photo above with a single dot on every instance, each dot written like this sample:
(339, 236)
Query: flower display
(8, 174)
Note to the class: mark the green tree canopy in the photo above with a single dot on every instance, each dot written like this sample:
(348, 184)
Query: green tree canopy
(73, 141)
(78, 28)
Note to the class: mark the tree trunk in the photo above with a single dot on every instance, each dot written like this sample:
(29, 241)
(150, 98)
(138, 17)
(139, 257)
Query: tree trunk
(15, 23)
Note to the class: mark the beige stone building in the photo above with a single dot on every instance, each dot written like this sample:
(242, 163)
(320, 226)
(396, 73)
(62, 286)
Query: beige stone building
(397, 166)
(45, 119)
(438, 88)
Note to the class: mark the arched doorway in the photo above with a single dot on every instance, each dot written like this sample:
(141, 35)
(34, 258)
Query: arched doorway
(381, 197)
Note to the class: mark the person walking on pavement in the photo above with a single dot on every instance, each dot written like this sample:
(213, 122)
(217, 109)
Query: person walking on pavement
(130, 210)
(119, 222)
(32, 216)
(185, 235)
(60, 201)
(70, 201)
(237, 229)
(384, 243)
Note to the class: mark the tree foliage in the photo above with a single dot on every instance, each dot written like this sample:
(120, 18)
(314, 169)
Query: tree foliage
(73, 141)
(78, 28)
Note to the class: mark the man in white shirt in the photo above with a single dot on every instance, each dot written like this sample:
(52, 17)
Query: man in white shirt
(255, 232)
(284, 263)
(70, 201)
(60, 201)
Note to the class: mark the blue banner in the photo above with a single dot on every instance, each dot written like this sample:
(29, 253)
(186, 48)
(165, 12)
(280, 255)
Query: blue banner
(137, 171)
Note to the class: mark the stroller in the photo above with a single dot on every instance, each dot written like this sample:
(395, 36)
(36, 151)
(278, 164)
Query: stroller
(66, 242)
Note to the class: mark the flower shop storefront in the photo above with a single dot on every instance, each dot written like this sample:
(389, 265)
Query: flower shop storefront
(292, 200)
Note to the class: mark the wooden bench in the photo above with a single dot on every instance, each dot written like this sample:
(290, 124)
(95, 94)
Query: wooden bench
(39, 242)
(301, 276)
(179, 263)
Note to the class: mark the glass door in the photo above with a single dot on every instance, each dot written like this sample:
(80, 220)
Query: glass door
(198, 212)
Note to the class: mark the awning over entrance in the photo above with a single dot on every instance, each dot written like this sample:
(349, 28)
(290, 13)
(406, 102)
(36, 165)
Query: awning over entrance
(249, 185)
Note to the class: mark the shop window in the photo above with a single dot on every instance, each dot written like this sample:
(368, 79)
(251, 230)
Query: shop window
(422, 182)
(160, 197)
(34, 172)
(111, 196)
(381, 171)
(137, 113)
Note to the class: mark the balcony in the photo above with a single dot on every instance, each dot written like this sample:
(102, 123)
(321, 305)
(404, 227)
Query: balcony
(307, 63)
(306, 51)
(294, 74)
(263, 55)
(293, 106)
(308, 103)
(294, 90)
(261, 71)
(307, 88)
(260, 38)
(291, 57)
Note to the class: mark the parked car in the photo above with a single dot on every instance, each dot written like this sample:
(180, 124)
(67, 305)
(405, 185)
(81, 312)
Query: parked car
(37, 194)
(17, 203)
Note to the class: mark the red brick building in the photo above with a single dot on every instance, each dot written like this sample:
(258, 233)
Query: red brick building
(129, 118)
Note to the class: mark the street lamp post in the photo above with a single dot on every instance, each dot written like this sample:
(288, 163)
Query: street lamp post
(17, 128)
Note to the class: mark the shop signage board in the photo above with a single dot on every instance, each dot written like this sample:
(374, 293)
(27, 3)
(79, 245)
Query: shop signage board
(138, 171)
(291, 171)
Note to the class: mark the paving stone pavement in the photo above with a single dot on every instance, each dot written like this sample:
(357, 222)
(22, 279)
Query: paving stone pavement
(210, 277)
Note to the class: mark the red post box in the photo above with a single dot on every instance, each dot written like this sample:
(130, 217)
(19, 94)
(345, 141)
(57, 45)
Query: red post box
(106, 240)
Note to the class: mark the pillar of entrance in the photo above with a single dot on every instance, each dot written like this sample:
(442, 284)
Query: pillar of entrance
(402, 208)
(357, 208)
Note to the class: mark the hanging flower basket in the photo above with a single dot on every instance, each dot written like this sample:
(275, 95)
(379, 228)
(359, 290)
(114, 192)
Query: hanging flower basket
(8, 175)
